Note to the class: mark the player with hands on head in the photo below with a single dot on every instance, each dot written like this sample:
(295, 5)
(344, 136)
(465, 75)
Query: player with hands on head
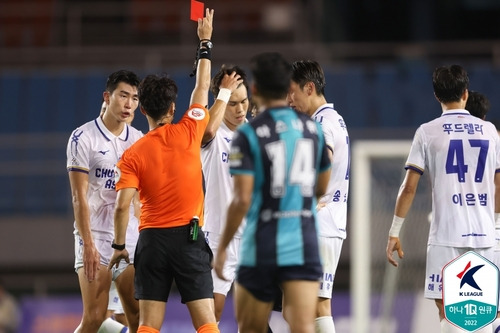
(218, 181)
(459, 162)
(165, 167)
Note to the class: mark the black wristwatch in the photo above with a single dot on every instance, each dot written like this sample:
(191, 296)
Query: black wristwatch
(118, 247)
(207, 43)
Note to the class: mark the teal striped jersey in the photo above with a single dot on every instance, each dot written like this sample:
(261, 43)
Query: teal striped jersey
(284, 151)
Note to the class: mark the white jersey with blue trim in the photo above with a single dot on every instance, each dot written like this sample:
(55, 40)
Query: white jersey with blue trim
(94, 150)
(218, 181)
(462, 154)
(335, 198)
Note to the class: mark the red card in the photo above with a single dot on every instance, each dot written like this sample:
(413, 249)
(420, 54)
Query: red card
(197, 8)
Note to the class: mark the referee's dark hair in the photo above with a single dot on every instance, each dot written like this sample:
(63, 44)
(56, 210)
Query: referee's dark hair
(156, 95)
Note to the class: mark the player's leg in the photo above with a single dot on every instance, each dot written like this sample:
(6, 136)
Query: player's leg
(94, 298)
(95, 294)
(299, 304)
(152, 315)
(202, 315)
(125, 286)
(251, 313)
(111, 324)
(330, 248)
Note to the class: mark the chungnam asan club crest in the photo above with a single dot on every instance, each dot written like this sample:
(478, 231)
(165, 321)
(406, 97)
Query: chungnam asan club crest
(470, 291)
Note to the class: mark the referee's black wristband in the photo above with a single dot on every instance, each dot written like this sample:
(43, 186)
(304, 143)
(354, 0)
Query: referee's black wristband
(118, 247)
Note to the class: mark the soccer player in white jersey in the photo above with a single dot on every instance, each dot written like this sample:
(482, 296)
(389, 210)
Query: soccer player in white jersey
(478, 105)
(462, 155)
(92, 152)
(218, 182)
(307, 95)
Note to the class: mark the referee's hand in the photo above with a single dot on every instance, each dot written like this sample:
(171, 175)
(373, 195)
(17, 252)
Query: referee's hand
(117, 256)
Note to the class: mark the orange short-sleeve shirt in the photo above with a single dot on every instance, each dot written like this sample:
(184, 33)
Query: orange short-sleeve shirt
(165, 166)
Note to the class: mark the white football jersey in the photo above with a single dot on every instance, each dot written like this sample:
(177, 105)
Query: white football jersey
(337, 140)
(462, 154)
(94, 150)
(218, 181)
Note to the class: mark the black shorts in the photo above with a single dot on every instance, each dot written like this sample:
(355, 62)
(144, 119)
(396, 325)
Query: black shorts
(264, 282)
(166, 255)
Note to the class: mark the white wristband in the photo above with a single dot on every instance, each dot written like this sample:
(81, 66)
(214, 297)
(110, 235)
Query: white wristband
(224, 95)
(397, 223)
(497, 220)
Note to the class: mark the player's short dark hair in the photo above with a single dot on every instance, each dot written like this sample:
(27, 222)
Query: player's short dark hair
(304, 71)
(122, 75)
(156, 95)
(450, 83)
(272, 75)
(477, 104)
(226, 69)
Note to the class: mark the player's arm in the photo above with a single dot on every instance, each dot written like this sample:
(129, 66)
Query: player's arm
(79, 182)
(243, 187)
(137, 205)
(202, 85)
(321, 186)
(404, 201)
(228, 84)
(122, 210)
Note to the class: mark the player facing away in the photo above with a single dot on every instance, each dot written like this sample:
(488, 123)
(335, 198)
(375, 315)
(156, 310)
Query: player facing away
(462, 155)
(307, 95)
(218, 181)
(165, 167)
(92, 153)
(280, 166)
(478, 105)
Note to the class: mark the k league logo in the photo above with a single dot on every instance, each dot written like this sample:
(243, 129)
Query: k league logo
(470, 291)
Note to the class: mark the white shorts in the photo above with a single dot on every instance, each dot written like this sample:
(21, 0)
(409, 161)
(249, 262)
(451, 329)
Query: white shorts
(106, 251)
(440, 256)
(114, 303)
(329, 249)
(231, 264)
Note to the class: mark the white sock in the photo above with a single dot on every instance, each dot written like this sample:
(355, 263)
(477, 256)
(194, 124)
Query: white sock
(496, 325)
(112, 326)
(447, 327)
(324, 324)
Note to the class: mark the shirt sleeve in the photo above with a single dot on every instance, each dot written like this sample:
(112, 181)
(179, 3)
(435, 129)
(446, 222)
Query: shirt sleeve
(77, 152)
(416, 158)
(126, 171)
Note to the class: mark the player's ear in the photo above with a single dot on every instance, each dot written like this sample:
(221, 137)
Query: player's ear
(105, 96)
(142, 110)
(310, 88)
(171, 111)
